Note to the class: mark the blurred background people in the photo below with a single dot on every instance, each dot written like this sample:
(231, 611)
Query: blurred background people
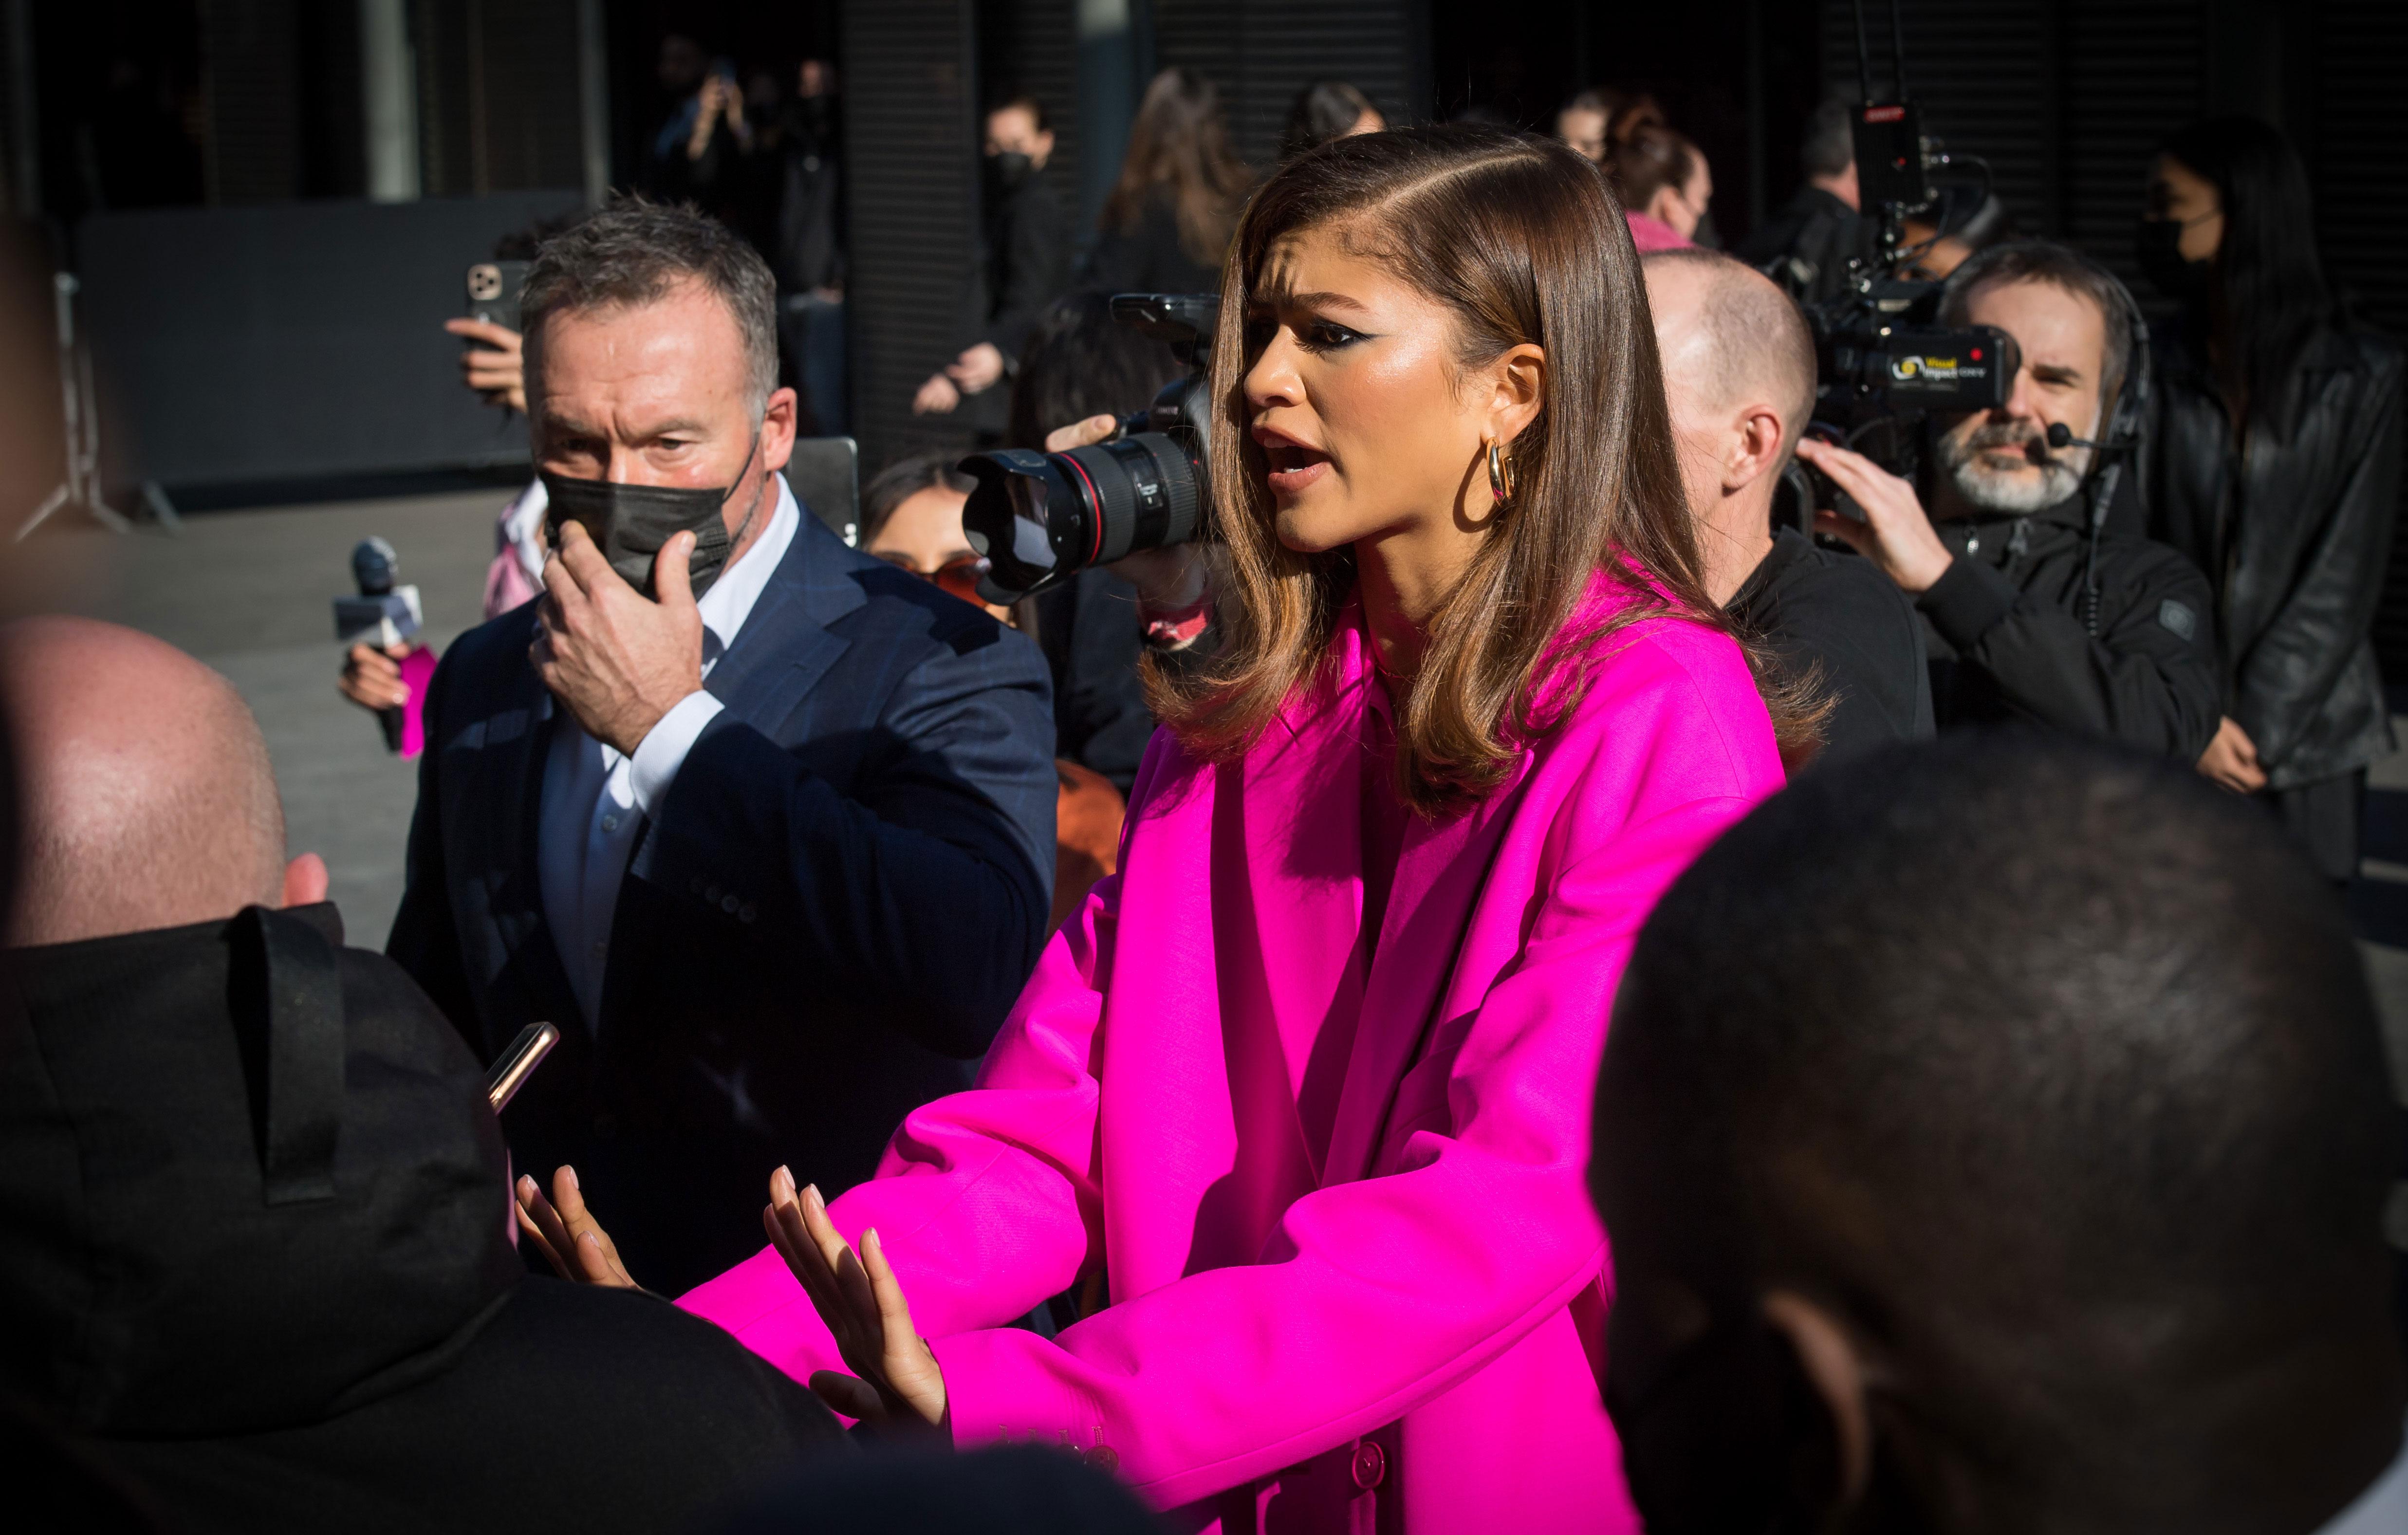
(697, 154)
(1968, 219)
(2035, 608)
(294, 1304)
(1598, 119)
(912, 518)
(2274, 464)
(1323, 111)
(724, 750)
(1167, 223)
(2051, 1197)
(1664, 184)
(1024, 264)
(1739, 380)
(1807, 244)
(798, 226)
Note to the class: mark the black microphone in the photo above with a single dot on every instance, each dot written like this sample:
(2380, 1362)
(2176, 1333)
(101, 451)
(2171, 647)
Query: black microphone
(2062, 435)
(383, 615)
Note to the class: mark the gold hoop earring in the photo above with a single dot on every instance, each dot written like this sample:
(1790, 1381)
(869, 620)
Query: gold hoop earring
(1501, 477)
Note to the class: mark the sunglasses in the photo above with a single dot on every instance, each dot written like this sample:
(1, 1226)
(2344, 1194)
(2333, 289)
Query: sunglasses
(958, 576)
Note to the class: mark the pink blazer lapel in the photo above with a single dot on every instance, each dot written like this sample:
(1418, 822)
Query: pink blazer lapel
(1439, 873)
(1294, 833)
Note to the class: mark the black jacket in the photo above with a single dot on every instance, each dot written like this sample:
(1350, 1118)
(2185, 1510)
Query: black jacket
(1807, 244)
(1149, 257)
(2010, 637)
(2296, 533)
(258, 1260)
(1836, 618)
(820, 930)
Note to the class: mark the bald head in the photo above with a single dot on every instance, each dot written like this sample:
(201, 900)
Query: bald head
(146, 798)
(1727, 336)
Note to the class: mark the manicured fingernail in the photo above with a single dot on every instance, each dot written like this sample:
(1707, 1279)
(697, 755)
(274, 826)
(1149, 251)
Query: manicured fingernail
(572, 1177)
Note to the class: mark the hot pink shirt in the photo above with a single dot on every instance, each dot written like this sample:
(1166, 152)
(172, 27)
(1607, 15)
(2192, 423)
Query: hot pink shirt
(1415, 1303)
(1651, 234)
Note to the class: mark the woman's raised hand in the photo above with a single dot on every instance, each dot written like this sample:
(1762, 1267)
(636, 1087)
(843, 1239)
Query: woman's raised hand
(894, 1380)
(567, 1233)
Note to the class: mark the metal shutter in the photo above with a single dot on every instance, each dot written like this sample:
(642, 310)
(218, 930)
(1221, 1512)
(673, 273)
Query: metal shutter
(1261, 54)
(247, 70)
(910, 169)
(498, 95)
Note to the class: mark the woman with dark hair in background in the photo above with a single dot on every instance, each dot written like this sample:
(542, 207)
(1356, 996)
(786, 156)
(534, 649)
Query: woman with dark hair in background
(1323, 111)
(2274, 464)
(1293, 1115)
(1664, 184)
(1168, 217)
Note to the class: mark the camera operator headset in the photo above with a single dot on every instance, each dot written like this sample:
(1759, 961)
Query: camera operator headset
(2116, 444)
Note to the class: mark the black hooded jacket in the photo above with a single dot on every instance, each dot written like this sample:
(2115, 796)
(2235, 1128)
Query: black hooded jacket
(2295, 533)
(2012, 633)
(257, 1259)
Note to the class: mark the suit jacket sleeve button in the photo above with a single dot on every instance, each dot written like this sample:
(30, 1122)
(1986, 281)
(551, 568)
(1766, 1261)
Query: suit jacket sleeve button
(1104, 1458)
(1370, 1465)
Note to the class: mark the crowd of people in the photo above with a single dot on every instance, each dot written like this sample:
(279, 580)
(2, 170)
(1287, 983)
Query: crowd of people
(1541, 981)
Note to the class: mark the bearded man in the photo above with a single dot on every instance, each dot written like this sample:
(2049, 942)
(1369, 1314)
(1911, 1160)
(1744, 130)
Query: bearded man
(2033, 607)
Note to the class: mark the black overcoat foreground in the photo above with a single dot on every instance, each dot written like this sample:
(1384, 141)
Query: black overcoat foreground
(820, 930)
(258, 1263)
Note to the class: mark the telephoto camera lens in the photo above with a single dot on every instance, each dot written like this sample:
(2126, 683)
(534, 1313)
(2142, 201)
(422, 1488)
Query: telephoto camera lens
(1041, 517)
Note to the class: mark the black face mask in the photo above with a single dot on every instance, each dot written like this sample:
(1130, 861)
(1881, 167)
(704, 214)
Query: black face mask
(631, 522)
(2157, 245)
(1009, 168)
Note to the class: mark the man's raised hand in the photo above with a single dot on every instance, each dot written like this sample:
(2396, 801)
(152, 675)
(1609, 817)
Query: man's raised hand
(1896, 534)
(614, 660)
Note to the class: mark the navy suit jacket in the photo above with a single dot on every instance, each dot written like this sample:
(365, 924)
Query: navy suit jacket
(820, 930)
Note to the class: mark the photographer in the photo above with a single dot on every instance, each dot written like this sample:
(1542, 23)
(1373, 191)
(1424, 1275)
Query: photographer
(1807, 245)
(2033, 609)
(2274, 463)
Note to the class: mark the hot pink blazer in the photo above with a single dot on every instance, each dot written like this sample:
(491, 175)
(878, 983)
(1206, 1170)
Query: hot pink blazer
(1422, 1311)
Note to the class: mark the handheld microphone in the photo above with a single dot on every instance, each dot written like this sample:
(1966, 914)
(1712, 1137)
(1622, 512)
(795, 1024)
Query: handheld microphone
(385, 615)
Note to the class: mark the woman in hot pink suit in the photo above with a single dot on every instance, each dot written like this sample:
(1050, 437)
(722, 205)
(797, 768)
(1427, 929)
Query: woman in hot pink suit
(1297, 1105)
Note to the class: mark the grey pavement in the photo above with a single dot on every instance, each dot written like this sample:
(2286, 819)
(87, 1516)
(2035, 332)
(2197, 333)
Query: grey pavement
(251, 593)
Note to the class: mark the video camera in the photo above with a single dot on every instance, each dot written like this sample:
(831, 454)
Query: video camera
(1041, 517)
(1883, 361)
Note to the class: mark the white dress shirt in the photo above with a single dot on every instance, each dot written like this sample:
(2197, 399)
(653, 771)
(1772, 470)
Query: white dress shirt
(595, 799)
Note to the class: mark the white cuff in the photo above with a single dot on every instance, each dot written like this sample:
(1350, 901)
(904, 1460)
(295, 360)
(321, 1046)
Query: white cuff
(661, 752)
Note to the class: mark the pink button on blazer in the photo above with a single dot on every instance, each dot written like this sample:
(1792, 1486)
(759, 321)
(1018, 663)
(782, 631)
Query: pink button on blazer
(1421, 1311)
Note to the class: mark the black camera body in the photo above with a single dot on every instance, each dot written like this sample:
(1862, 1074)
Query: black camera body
(1041, 517)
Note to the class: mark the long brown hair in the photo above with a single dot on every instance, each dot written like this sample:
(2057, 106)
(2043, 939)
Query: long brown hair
(1180, 142)
(1520, 237)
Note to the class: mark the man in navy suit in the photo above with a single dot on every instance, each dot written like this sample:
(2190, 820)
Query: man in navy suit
(764, 824)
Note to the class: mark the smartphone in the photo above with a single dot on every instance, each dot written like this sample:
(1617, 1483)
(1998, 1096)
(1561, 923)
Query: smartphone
(526, 1052)
(494, 288)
